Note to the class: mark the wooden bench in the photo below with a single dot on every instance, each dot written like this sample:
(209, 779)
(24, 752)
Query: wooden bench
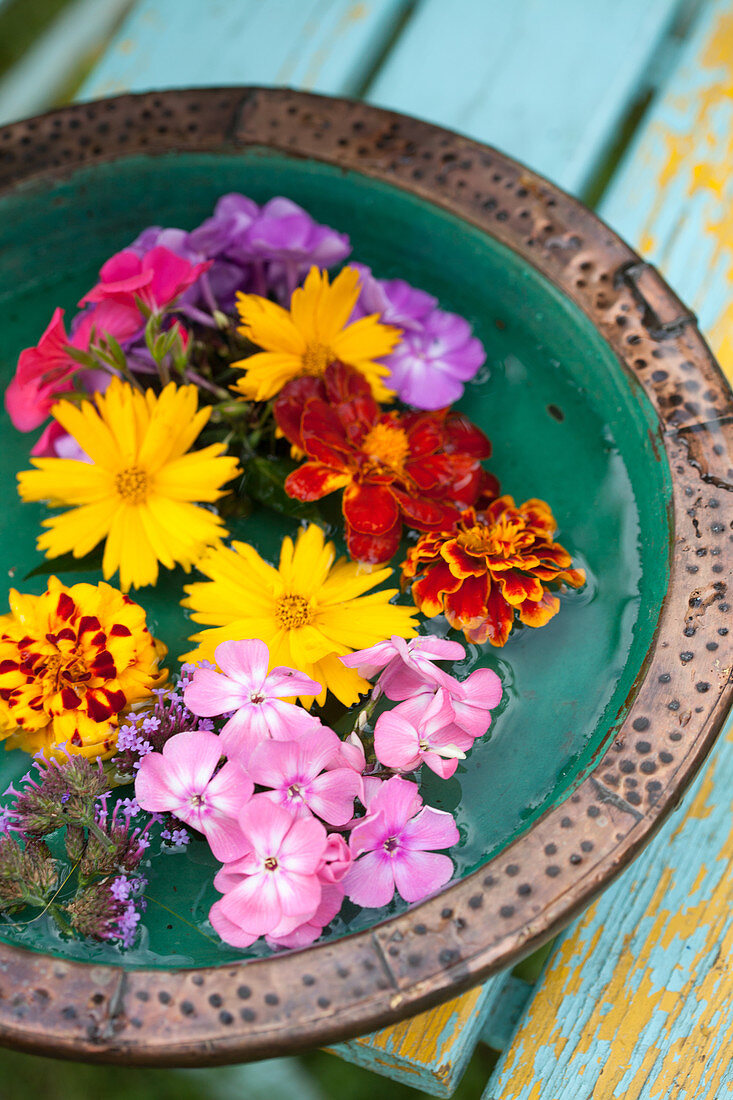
(635, 1000)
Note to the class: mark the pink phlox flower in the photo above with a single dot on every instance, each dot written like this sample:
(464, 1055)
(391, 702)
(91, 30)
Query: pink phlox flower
(276, 882)
(421, 731)
(296, 773)
(350, 754)
(304, 934)
(406, 667)
(255, 698)
(183, 780)
(393, 848)
(473, 699)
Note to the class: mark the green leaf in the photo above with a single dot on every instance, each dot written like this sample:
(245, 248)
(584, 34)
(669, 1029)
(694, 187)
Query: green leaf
(67, 563)
(264, 481)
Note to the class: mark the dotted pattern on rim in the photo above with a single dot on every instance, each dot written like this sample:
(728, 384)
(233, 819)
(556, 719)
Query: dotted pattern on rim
(678, 704)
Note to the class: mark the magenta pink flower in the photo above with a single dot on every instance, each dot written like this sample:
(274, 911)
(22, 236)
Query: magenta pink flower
(276, 878)
(256, 697)
(42, 373)
(157, 278)
(295, 772)
(421, 731)
(406, 667)
(183, 780)
(393, 847)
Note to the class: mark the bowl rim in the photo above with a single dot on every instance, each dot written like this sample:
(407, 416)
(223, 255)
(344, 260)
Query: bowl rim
(486, 921)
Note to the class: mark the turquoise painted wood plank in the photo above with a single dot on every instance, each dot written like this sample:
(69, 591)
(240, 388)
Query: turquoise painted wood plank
(430, 1051)
(321, 45)
(505, 1013)
(548, 83)
(637, 1002)
(673, 196)
(44, 71)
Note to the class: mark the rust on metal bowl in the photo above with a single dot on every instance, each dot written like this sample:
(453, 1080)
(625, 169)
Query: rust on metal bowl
(486, 921)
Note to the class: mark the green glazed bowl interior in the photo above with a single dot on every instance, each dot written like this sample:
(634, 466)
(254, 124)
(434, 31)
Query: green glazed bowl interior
(568, 424)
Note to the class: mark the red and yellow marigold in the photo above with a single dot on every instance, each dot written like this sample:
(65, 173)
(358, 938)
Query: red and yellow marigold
(488, 567)
(71, 662)
(416, 468)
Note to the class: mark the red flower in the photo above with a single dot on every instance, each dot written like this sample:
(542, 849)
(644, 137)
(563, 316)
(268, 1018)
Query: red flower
(490, 565)
(416, 468)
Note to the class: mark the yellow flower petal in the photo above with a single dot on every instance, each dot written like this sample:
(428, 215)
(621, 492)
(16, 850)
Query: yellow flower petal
(297, 610)
(142, 488)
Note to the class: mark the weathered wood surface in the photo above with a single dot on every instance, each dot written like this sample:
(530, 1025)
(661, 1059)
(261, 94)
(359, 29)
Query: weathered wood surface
(430, 1051)
(319, 45)
(637, 1002)
(67, 44)
(548, 83)
(673, 197)
(638, 999)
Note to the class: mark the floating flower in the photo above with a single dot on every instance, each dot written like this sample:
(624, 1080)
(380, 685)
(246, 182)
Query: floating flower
(406, 668)
(393, 847)
(157, 279)
(42, 373)
(72, 662)
(184, 780)
(276, 878)
(257, 699)
(437, 353)
(313, 334)
(297, 776)
(416, 469)
(421, 731)
(489, 566)
(309, 612)
(138, 492)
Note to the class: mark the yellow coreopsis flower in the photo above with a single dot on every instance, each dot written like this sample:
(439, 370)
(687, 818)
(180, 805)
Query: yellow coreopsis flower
(140, 488)
(312, 334)
(309, 612)
(71, 662)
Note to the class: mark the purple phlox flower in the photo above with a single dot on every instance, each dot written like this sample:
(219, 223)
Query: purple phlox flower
(186, 780)
(206, 724)
(180, 838)
(438, 351)
(393, 847)
(284, 237)
(421, 731)
(226, 230)
(295, 772)
(394, 300)
(406, 667)
(428, 368)
(255, 698)
(129, 807)
(275, 886)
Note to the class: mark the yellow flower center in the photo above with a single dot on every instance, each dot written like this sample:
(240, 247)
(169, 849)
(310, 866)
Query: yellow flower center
(316, 358)
(132, 484)
(502, 540)
(292, 612)
(387, 444)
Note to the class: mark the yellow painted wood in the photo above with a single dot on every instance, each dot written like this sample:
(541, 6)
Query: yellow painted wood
(430, 1050)
(637, 1002)
(673, 197)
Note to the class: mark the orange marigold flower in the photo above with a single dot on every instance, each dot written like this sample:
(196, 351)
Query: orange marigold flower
(489, 565)
(417, 469)
(71, 662)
